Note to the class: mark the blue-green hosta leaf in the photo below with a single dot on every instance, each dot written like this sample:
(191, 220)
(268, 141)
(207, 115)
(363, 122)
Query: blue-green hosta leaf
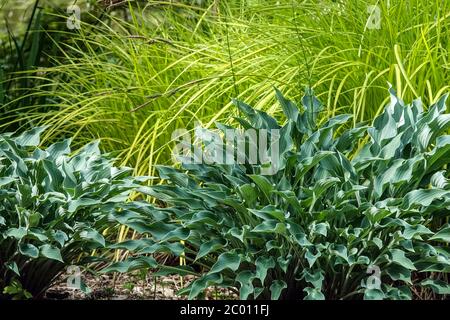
(398, 171)
(273, 245)
(37, 234)
(320, 228)
(412, 231)
(285, 144)
(39, 154)
(84, 287)
(438, 286)
(276, 289)
(177, 234)
(131, 264)
(340, 251)
(374, 294)
(290, 110)
(60, 237)
(416, 109)
(407, 244)
(6, 180)
(227, 260)
(400, 293)
(26, 195)
(127, 216)
(89, 149)
(384, 128)
(177, 177)
(175, 248)
(70, 181)
(17, 233)
(313, 294)
(210, 246)
(50, 252)
(424, 137)
(396, 105)
(257, 292)
(59, 149)
(29, 250)
(74, 205)
(398, 257)
(204, 282)
(312, 257)
(349, 138)
(237, 205)
(249, 194)
(378, 242)
(432, 267)
(244, 123)
(323, 185)
(298, 235)
(376, 215)
(92, 235)
(270, 226)
(438, 125)
(439, 156)
(245, 279)
(316, 278)
(257, 119)
(263, 264)
(269, 212)
(442, 235)
(399, 273)
(334, 123)
(158, 229)
(12, 265)
(30, 138)
(438, 255)
(393, 147)
(283, 262)
(239, 233)
(335, 168)
(423, 197)
(438, 180)
(263, 184)
(308, 163)
(361, 260)
(355, 189)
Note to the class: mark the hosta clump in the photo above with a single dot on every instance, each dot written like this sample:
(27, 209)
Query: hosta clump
(53, 207)
(349, 213)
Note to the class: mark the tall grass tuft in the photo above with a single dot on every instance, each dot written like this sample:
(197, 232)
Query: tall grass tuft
(131, 81)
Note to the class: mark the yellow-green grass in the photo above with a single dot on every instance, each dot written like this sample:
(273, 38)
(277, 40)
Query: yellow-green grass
(131, 83)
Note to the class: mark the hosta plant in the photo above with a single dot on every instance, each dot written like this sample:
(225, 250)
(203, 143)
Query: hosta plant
(349, 213)
(53, 207)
